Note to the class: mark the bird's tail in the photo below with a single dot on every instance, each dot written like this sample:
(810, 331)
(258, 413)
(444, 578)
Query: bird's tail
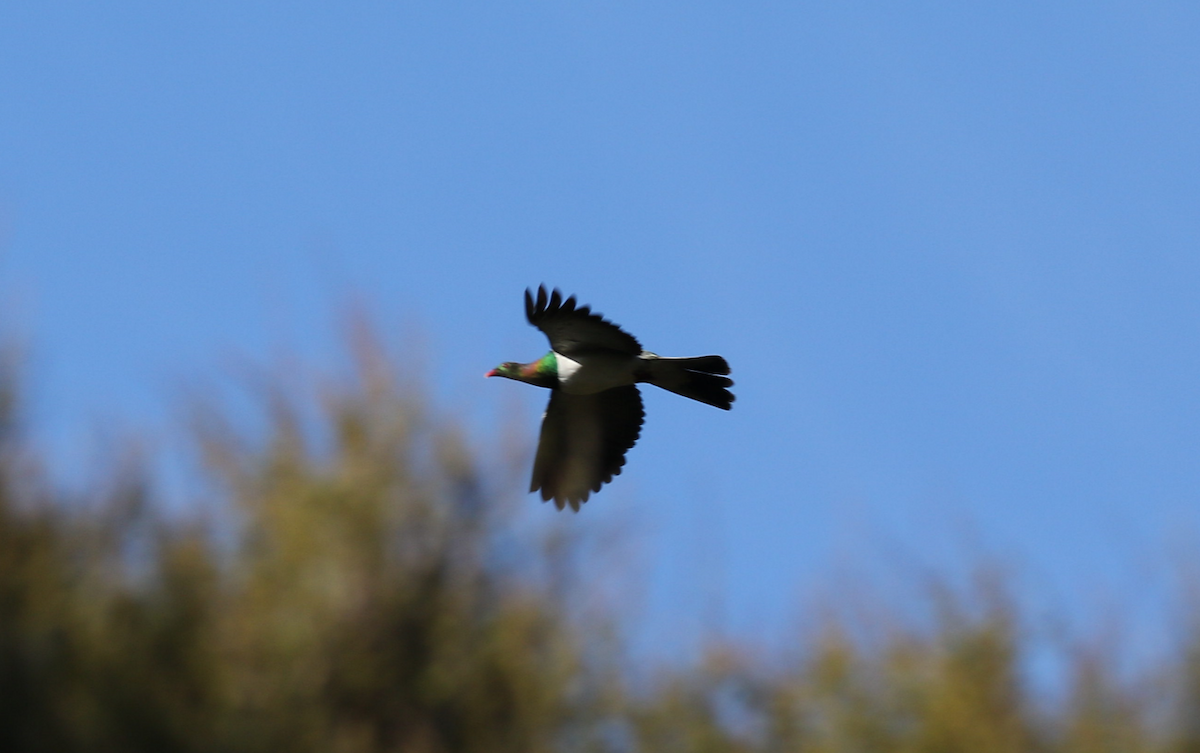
(701, 378)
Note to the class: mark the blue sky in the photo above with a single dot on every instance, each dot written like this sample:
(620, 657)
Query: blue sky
(952, 253)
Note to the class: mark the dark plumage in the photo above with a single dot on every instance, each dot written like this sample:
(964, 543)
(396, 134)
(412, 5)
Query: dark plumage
(595, 412)
(573, 330)
(583, 442)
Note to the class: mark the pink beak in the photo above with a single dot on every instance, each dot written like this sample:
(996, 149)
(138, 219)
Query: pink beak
(491, 373)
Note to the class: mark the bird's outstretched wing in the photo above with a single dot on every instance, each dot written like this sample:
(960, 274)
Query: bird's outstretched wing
(583, 443)
(575, 329)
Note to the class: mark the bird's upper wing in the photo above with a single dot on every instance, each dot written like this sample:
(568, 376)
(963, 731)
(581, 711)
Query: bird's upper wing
(575, 329)
(583, 443)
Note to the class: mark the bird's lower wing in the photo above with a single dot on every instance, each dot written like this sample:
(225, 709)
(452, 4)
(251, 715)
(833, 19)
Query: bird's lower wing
(583, 443)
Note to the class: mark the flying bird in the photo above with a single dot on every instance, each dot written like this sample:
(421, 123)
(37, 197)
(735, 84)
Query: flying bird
(595, 412)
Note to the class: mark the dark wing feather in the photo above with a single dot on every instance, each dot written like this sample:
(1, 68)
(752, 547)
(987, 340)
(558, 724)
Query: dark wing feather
(575, 329)
(583, 443)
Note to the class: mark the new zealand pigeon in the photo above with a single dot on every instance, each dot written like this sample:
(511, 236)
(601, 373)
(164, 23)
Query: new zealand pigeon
(595, 412)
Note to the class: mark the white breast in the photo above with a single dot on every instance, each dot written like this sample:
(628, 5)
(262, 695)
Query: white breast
(566, 367)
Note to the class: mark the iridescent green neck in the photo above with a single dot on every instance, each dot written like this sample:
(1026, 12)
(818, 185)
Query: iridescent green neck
(547, 365)
(542, 372)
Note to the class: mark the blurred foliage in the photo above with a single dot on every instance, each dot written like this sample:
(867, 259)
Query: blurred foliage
(357, 583)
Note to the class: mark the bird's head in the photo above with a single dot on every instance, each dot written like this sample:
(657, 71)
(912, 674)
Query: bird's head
(542, 372)
(509, 369)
